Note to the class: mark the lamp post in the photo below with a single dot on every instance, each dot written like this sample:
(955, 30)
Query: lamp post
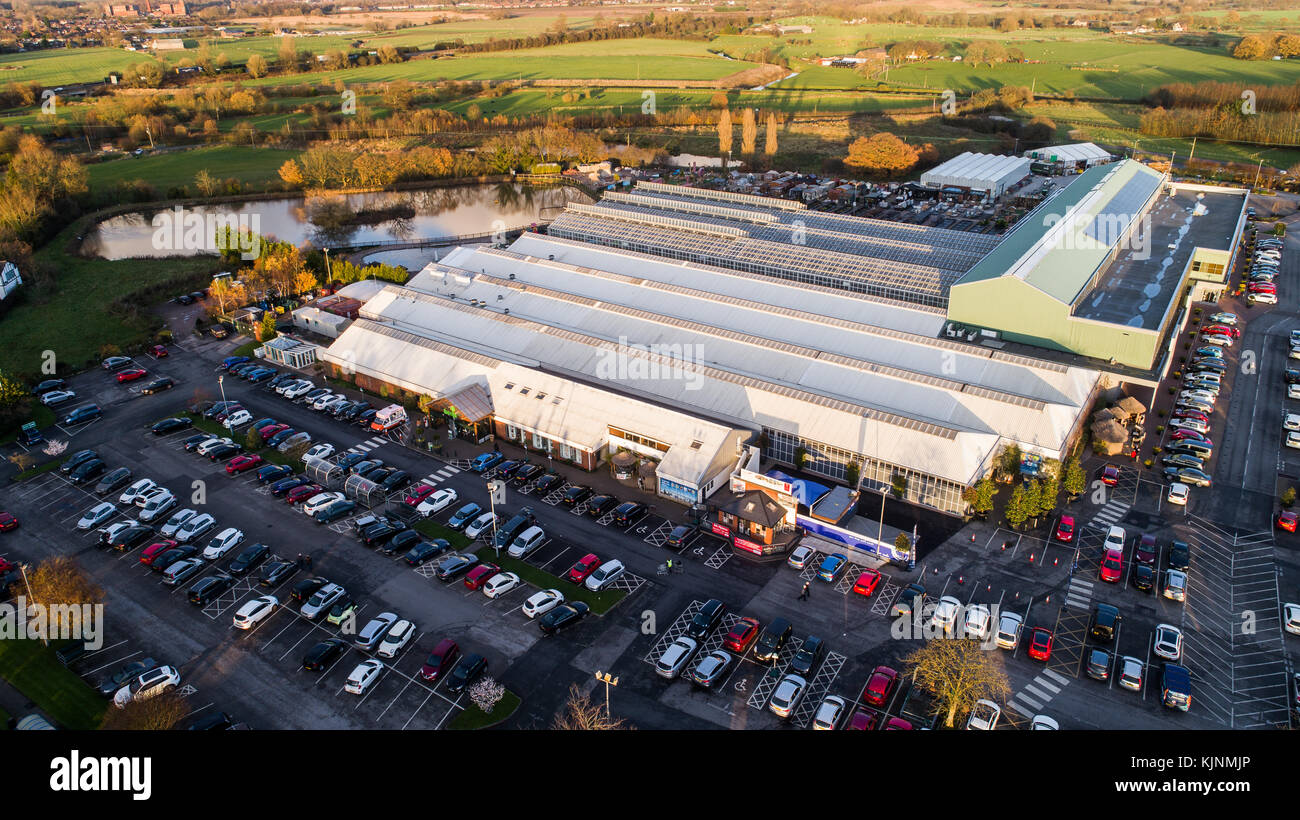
(221, 382)
(493, 487)
(609, 680)
(27, 587)
(329, 276)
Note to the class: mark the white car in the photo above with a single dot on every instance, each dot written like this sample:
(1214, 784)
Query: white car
(1230, 319)
(984, 716)
(1291, 622)
(212, 444)
(800, 557)
(1130, 673)
(1198, 395)
(237, 419)
(480, 524)
(1009, 627)
(946, 612)
(284, 388)
(224, 542)
(540, 603)
(1115, 539)
(319, 502)
(1217, 339)
(363, 676)
(676, 657)
(97, 515)
(437, 502)
(157, 506)
(293, 441)
(605, 574)
(326, 400)
(396, 639)
(107, 534)
(148, 685)
(195, 527)
(142, 500)
(500, 584)
(1291, 422)
(1169, 642)
(57, 397)
(297, 389)
(1190, 424)
(1043, 722)
(1175, 585)
(320, 451)
(174, 523)
(1262, 298)
(1293, 440)
(1178, 493)
(787, 695)
(978, 621)
(829, 713)
(1293, 391)
(253, 612)
(139, 488)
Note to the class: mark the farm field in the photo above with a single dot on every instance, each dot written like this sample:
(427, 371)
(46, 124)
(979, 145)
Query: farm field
(177, 168)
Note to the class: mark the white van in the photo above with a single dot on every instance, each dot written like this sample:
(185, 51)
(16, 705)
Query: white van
(527, 541)
(388, 418)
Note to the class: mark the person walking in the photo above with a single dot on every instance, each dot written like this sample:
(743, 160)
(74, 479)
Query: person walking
(803, 594)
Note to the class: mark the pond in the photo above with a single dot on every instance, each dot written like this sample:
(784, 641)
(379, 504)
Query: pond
(342, 220)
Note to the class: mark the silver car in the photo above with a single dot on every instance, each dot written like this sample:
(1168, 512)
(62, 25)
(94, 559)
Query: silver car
(675, 658)
(322, 600)
(787, 695)
(829, 713)
(372, 633)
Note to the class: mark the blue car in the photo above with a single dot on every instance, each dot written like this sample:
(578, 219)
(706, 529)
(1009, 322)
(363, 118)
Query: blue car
(231, 361)
(464, 515)
(262, 375)
(486, 461)
(831, 566)
(281, 436)
(273, 472)
(336, 510)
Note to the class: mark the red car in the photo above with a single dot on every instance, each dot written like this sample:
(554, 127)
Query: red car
(441, 660)
(586, 566)
(1261, 287)
(1230, 332)
(1110, 475)
(1189, 435)
(896, 724)
(1111, 566)
(8, 521)
(1191, 414)
(228, 412)
(271, 429)
(880, 686)
(1040, 644)
(742, 634)
(1146, 550)
(158, 351)
(417, 495)
(1065, 529)
(863, 720)
(302, 493)
(867, 583)
(479, 575)
(239, 464)
(154, 550)
(1286, 520)
(131, 374)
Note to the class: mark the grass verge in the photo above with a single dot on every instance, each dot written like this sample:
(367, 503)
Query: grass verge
(33, 670)
(600, 602)
(475, 718)
(433, 529)
(42, 415)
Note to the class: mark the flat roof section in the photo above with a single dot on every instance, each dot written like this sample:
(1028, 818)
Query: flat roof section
(1139, 285)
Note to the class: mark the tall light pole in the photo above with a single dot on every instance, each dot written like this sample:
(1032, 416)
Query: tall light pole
(329, 275)
(609, 680)
(27, 587)
(221, 382)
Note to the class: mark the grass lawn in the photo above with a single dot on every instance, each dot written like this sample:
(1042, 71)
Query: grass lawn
(269, 454)
(475, 718)
(600, 602)
(33, 670)
(433, 529)
(35, 471)
(252, 166)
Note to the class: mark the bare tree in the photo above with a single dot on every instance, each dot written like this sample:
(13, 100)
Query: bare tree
(956, 673)
(158, 713)
(580, 714)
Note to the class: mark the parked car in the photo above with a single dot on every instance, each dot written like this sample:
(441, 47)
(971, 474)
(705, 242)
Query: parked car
(562, 617)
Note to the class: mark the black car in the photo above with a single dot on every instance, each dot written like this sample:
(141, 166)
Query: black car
(216, 721)
(466, 672)
(224, 451)
(425, 550)
(706, 620)
(284, 485)
(1099, 664)
(109, 482)
(454, 566)
(48, 385)
(680, 537)
(1180, 556)
(275, 440)
(249, 558)
(208, 588)
(335, 510)
(512, 528)
(377, 534)
(1144, 578)
(323, 654)
(171, 425)
(772, 640)
(173, 555)
(88, 470)
(576, 495)
(75, 460)
(281, 379)
(401, 542)
(218, 408)
(1105, 621)
(396, 481)
(158, 385)
(508, 468)
(378, 474)
(526, 474)
(601, 504)
(563, 616)
(273, 472)
(808, 655)
(628, 513)
(364, 417)
(192, 443)
(276, 571)
(461, 518)
(130, 538)
(306, 588)
(111, 684)
(548, 482)
(354, 410)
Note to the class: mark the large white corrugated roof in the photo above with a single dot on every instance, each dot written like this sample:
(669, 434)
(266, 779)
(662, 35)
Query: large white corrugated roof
(1074, 152)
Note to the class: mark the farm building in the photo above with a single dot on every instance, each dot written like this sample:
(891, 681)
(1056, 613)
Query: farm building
(1076, 156)
(991, 174)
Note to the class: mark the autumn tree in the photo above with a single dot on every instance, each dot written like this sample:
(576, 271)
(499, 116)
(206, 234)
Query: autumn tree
(1250, 47)
(291, 173)
(883, 154)
(956, 674)
(158, 713)
(225, 295)
(769, 144)
(256, 66)
(748, 132)
(724, 132)
(59, 584)
(266, 330)
(580, 713)
(206, 183)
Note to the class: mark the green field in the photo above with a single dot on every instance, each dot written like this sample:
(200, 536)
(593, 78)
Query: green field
(33, 670)
(252, 166)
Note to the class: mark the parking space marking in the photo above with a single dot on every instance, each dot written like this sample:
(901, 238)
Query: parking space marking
(659, 535)
(720, 556)
(817, 689)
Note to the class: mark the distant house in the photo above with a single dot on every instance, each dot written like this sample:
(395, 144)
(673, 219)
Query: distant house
(175, 9)
(1177, 27)
(122, 10)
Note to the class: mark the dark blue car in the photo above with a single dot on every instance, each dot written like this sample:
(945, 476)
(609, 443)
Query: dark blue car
(273, 472)
(281, 436)
(231, 361)
(486, 461)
